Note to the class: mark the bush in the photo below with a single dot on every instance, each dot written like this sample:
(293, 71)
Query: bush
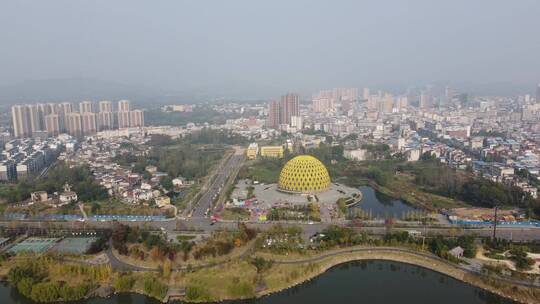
(154, 288)
(74, 293)
(197, 294)
(45, 292)
(261, 264)
(25, 286)
(519, 256)
(124, 283)
(18, 273)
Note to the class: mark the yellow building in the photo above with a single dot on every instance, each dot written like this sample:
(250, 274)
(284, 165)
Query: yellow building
(163, 201)
(252, 151)
(304, 174)
(272, 151)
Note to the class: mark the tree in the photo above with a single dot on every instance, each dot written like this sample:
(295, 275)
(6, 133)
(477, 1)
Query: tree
(155, 254)
(154, 287)
(427, 156)
(186, 247)
(166, 182)
(25, 286)
(124, 283)
(167, 267)
(119, 238)
(261, 264)
(160, 140)
(45, 292)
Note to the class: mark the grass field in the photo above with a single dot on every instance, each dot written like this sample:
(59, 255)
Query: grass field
(115, 207)
(235, 214)
(232, 280)
(263, 170)
(403, 187)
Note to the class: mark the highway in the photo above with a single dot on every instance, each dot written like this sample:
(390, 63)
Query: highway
(205, 224)
(207, 199)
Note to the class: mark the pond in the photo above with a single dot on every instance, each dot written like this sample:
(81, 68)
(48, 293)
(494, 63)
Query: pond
(380, 205)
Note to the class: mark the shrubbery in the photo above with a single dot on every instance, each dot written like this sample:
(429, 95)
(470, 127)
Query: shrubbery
(197, 293)
(154, 287)
(123, 283)
(32, 279)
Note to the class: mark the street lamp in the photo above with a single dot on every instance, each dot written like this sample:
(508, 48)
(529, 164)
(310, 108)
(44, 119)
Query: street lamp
(495, 223)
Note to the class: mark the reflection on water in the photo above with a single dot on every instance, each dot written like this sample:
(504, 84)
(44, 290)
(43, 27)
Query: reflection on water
(370, 282)
(380, 205)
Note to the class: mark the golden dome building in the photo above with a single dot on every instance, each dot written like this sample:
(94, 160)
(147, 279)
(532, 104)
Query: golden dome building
(304, 174)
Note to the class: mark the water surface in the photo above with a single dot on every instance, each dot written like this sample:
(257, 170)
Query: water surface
(382, 206)
(371, 282)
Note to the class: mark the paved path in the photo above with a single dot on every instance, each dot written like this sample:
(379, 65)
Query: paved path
(81, 207)
(467, 268)
(118, 264)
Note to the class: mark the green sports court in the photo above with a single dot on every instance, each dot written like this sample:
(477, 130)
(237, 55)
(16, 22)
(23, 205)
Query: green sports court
(74, 245)
(33, 245)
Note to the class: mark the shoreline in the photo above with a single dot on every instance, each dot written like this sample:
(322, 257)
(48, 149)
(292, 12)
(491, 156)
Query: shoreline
(323, 262)
(411, 258)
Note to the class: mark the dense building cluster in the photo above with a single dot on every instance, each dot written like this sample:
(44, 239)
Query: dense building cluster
(51, 119)
(25, 157)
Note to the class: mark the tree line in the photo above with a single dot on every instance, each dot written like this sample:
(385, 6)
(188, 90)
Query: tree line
(39, 279)
(478, 191)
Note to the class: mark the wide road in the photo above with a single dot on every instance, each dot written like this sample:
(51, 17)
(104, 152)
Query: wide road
(207, 199)
(206, 225)
(509, 233)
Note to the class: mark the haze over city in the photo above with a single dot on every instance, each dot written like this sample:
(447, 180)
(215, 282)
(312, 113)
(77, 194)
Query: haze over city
(270, 152)
(252, 49)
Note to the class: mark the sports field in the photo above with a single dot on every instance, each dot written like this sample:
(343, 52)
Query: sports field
(75, 245)
(33, 245)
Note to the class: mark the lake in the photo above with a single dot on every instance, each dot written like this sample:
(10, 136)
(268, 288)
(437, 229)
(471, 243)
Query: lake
(373, 282)
(380, 205)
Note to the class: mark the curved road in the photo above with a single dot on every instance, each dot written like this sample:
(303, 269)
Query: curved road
(123, 266)
(535, 284)
(118, 264)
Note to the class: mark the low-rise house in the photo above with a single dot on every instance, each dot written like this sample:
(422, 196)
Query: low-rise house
(456, 252)
(39, 196)
(67, 196)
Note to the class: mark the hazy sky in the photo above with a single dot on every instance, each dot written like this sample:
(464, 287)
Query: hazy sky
(288, 45)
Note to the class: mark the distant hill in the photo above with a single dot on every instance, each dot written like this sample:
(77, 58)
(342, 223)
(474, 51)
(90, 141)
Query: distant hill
(73, 89)
(78, 89)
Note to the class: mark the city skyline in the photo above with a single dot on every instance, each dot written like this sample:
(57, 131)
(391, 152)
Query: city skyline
(51, 119)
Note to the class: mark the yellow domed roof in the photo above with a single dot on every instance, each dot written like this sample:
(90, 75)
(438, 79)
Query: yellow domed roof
(304, 174)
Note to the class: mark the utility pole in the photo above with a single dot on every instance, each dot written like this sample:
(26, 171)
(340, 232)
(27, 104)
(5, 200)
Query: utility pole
(495, 224)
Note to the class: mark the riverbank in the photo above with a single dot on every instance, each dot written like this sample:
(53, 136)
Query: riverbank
(322, 263)
(241, 279)
(289, 271)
